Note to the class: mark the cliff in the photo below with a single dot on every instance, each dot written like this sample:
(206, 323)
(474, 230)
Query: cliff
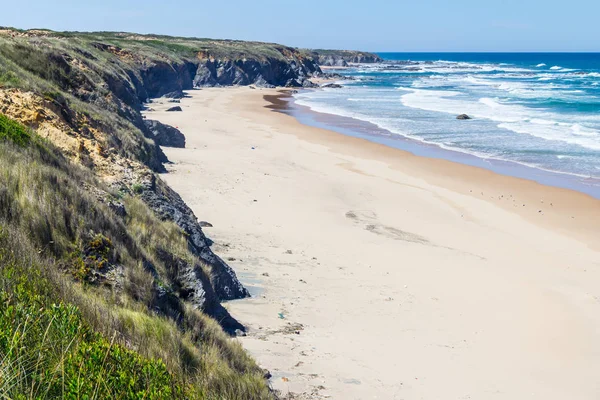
(341, 58)
(87, 223)
(91, 235)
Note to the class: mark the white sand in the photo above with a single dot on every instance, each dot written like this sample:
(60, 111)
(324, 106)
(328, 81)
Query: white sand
(409, 283)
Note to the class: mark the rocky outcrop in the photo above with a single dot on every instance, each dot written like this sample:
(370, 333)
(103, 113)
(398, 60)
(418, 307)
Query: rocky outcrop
(331, 61)
(176, 108)
(463, 116)
(176, 94)
(164, 135)
(101, 83)
(168, 205)
(292, 71)
(193, 286)
(341, 58)
(332, 86)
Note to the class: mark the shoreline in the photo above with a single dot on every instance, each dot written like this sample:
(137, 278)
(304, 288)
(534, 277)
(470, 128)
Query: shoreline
(381, 274)
(566, 203)
(369, 131)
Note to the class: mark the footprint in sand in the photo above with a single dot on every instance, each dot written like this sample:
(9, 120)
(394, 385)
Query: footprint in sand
(368, 219)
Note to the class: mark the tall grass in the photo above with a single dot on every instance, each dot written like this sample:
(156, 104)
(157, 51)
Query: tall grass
(10, 130)
(48, 351)
(81, 288)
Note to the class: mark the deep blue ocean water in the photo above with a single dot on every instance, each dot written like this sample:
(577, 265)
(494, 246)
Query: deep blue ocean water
(536, 109)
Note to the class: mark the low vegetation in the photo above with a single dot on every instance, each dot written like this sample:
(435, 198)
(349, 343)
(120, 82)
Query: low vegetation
(80, 289)
(91, 298)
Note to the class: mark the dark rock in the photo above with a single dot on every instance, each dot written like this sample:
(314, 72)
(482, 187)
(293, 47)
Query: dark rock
(332, 86)
(164, 135)
(307, 83)
(463, 116)
(118, 208)
(168, 205)
(193, 285)
(176, 108)
(341, 58)
(176, 94)
(205, 224)
(167, 303)
(290, 71)
(173, 101)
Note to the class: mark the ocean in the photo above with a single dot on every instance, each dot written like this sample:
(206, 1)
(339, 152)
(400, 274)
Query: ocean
(540, 111)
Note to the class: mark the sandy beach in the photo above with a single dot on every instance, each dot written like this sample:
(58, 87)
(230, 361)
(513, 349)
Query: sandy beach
(377, 274)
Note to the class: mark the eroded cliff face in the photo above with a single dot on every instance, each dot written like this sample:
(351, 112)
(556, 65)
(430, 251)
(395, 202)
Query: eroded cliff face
(89, 106)
(295, 71)
(341, 58)
(85, 93)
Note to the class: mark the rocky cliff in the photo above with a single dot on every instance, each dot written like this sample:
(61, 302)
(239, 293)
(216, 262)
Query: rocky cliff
(341, 58)
(79, 192)
(84, 93)
(285, 67)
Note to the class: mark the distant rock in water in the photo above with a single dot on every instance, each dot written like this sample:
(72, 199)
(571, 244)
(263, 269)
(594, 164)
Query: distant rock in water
(176, 108)
(332, 86)
(164, 135)
(463, 116)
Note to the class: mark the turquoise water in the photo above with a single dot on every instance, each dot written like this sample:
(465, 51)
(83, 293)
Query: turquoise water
(537, 110)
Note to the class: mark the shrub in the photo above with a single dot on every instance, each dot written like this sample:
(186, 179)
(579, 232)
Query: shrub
(14, 131)
(8, 78)
(48, 351)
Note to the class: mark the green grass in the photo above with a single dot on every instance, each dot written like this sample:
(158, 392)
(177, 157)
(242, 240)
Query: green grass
(8, 78)
(10, 130)
(79, 287)
(90, 306)
(47, 351)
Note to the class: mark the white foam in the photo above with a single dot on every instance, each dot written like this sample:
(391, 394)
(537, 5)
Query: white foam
(556, 68)
(541, 65)
(519, 119)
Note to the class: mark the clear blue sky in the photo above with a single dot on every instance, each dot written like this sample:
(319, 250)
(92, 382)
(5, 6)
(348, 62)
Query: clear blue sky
(375, 25)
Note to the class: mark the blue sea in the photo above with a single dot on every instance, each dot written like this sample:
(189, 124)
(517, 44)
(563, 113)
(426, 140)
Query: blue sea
(538, 110)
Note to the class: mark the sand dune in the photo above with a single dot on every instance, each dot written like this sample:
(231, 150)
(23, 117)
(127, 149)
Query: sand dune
(381, 275)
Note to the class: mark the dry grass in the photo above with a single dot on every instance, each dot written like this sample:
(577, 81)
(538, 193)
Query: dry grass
(105, 276)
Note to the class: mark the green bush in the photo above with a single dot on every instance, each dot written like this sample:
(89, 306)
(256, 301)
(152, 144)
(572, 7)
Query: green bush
(8, 78)
(48, 351)
(14, 131)
(57, 225)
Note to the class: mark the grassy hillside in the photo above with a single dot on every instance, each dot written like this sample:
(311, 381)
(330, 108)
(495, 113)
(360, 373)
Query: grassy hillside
(108, 286)
(105, 285)
(89, 308)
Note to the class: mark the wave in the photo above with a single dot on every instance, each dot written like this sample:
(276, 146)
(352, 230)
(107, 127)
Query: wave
(440, 67)
(391, 125)
(516, 89)
(556, 68)
(517, 118)
(541, 65)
